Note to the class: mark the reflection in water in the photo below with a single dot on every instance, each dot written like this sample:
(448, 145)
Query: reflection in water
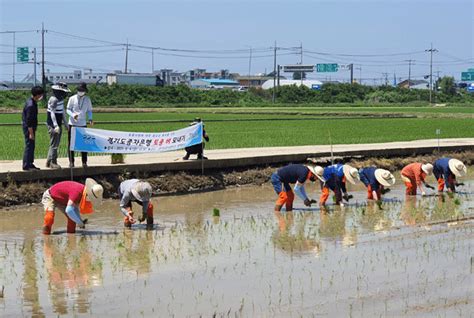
(292, 236)
(333, 225)
(373, 218)
(135, 253)
(30, 279)
(412, 214)
(71, 272)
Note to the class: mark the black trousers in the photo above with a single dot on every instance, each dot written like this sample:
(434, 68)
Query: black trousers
(71, 153)
(29, 154)
(195, 150)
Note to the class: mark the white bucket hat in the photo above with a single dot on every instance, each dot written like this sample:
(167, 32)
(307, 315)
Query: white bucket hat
(427, 168)
(94, 191)
(61, 87)
(351, 174)
(457, 167)
(142, 191)
(384, 177)
(317, 171)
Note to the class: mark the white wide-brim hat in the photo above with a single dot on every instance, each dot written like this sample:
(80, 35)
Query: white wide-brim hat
(384, 177)
(427, 168)
(351, 174)
(457, 167)
(142, 191)
(61, 87)
(94, 191)
(317, 171)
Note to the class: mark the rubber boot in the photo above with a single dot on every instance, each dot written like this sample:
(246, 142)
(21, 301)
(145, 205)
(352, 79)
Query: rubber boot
(149, 216)
(71, 226)
(126, 222)
(48, 222)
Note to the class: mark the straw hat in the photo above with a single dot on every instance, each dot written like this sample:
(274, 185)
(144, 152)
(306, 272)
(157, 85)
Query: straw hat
(351, 174)
(457, 167)
(427, 168)
(384, 177)
(142, 191)
(60, 86)
(317, 171)
(94, 191)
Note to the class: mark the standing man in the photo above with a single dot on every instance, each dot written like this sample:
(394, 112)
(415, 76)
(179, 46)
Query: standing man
(414, 176)
(375, 180)
(446, 170)
(297, 174)
(55, 120)
(336, 176)
(72, 198)
(30, 123)
(78, 107)
(199, 148)
(134, 190)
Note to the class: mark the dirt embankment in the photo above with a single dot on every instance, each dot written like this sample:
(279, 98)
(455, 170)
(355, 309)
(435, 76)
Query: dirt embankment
(13, 193)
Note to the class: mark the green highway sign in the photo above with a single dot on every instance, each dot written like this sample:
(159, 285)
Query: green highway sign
(22, 54)
(328, 67)
(467, 76)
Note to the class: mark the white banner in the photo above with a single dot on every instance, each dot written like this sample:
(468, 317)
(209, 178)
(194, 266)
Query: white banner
(109, 141)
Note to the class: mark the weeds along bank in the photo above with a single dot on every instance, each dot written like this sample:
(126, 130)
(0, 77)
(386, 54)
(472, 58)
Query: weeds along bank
(182, 95)
(15, 193)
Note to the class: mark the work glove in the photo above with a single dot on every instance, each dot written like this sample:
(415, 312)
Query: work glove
(429, 186)
(56, 130)
(423, 193)
(459, 184)
(130, 217)
(347, 197)
(84, 222)
(307, 202)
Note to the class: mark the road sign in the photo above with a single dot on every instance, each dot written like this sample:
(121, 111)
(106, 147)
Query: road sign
(298, 68)
(467, 76)
(316, 87)
(22, 54)
(328, 67)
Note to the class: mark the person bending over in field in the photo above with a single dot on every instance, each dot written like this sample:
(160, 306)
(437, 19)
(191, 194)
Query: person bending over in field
(376, 180)
(297, 174)
(199, 148)
(140, 192)
(72, 198)
(446, 170)
(414, 176)
(336, 176)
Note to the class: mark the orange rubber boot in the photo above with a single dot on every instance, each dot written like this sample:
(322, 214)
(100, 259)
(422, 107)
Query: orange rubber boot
(71, 226)
(126, 221)
(324, 195)
(149, 215)
(48, 222)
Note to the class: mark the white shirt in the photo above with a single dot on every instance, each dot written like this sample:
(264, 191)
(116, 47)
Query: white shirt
(80, 106)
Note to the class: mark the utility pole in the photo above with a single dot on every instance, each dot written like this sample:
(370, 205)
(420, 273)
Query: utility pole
(301, 61)
(274, 71)
(385, 76)
(126, 57)
(152, 60)
(250, 66)
(409, 72)
(14, 61)
(34, 66)
(431, 50)
(278, 76)
(351, 66)
(43, 75)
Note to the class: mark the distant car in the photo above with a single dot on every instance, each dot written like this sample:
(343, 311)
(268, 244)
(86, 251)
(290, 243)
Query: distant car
(242, 89)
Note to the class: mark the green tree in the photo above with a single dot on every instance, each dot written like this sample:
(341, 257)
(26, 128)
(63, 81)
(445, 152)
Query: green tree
(447, 85)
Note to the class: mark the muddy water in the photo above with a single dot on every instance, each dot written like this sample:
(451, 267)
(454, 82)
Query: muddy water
(358, 261)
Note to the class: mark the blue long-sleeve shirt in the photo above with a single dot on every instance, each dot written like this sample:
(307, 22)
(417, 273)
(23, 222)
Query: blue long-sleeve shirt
(441, 169)
(334, 176)
(367, 177)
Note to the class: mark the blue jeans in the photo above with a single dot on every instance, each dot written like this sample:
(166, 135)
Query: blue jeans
(277, 184)
(29, 154)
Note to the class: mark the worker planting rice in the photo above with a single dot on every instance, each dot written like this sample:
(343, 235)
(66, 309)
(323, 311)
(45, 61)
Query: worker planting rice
(137, 191)
(376, 180)
(414, 176)
(446, 170)
(335, 177)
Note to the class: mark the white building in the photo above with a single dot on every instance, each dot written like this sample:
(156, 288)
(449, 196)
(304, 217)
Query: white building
(313, 84)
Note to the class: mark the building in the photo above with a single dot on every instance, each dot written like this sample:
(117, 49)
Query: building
(253, 80)
(313, 84)
(146, 79)
(171, 78)
(214, 83)
(415, 84)
(76, 77)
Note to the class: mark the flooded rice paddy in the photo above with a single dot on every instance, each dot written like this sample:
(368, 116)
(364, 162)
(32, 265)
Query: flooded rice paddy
(413, 257)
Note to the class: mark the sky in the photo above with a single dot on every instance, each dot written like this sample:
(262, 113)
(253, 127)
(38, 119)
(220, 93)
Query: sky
(378, 37)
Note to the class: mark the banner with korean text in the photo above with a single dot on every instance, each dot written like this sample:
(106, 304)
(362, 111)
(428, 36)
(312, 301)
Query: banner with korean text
(109, 141)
